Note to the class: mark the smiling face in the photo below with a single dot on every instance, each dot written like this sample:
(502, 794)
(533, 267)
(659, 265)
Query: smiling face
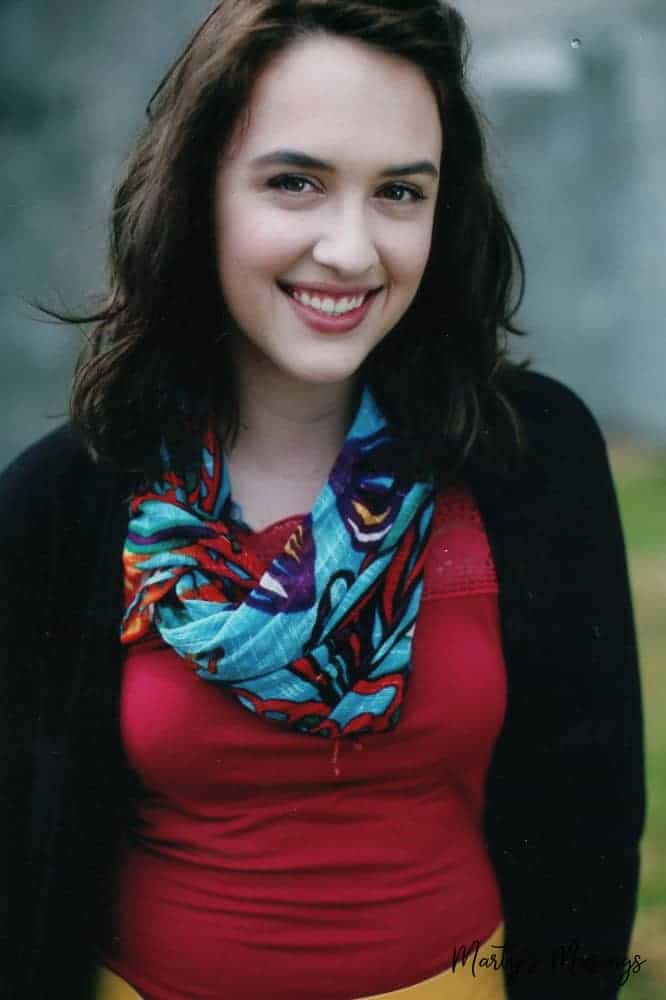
(324, 207)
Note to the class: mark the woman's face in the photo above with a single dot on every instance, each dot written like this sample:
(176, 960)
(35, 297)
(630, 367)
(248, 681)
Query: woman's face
(327, 189)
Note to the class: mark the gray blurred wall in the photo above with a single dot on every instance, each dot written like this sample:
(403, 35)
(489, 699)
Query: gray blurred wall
(574, 93)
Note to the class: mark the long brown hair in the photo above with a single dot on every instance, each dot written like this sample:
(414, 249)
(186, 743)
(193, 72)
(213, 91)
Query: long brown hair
(155, 367)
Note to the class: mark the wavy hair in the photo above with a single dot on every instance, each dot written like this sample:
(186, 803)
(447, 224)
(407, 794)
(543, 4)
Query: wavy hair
(156, 337)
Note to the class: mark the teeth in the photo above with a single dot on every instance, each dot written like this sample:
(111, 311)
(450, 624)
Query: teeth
(329, 306)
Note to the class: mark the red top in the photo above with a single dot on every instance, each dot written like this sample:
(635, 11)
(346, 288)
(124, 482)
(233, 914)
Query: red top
(259, 871)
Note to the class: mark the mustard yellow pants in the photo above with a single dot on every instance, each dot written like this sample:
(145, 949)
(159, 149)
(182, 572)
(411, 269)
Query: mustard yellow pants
(478, 978)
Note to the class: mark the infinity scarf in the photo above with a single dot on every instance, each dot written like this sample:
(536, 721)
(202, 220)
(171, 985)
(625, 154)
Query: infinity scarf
(319, 640)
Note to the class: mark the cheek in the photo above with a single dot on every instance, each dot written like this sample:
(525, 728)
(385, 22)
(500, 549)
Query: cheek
(424, 244)
(253, 239)
(409, 259)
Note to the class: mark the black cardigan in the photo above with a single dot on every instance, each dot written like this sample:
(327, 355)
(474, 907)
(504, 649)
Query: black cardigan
(565, 789)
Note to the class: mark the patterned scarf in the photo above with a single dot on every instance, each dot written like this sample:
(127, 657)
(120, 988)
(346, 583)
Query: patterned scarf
(319, 640)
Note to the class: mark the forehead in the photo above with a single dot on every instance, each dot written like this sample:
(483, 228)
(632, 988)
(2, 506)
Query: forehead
(341, 99)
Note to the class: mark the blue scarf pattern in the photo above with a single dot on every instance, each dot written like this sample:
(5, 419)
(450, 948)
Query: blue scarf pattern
(319, 640)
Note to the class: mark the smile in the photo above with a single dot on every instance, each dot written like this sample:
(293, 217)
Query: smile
(326, 303)
(328, 313)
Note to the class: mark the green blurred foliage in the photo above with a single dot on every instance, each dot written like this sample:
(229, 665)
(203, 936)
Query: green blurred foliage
(641, 485)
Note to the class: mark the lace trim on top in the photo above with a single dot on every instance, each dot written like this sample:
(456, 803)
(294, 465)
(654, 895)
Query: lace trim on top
(459, 561)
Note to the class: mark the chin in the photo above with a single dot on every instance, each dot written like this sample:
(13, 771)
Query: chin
(323, 370)
(323, 375)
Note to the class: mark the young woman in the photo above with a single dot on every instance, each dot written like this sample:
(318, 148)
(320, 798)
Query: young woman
(320, 662)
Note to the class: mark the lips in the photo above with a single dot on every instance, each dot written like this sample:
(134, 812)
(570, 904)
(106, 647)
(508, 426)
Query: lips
(328, 291)
(317, 320)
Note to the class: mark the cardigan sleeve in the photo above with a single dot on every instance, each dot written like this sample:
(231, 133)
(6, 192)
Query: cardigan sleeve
(565, 807)
(52, 502)
(24, 544)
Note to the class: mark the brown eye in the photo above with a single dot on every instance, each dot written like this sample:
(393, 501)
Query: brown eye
(291, 183)
(404, 189)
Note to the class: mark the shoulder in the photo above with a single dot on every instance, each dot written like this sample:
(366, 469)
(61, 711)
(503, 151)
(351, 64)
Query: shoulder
(561, 438)
(562, 473)
(54, 487)
(61, 445)
(46, 466)
(549, 408)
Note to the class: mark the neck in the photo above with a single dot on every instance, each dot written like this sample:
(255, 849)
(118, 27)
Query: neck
(291, 429)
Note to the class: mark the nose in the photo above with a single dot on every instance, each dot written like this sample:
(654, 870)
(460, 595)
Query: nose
(346, 244)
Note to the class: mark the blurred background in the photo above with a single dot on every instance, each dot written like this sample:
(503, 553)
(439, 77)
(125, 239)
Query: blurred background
(574, 93)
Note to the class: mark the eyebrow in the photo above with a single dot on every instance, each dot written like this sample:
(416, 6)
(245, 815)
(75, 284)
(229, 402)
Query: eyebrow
(294, 158)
